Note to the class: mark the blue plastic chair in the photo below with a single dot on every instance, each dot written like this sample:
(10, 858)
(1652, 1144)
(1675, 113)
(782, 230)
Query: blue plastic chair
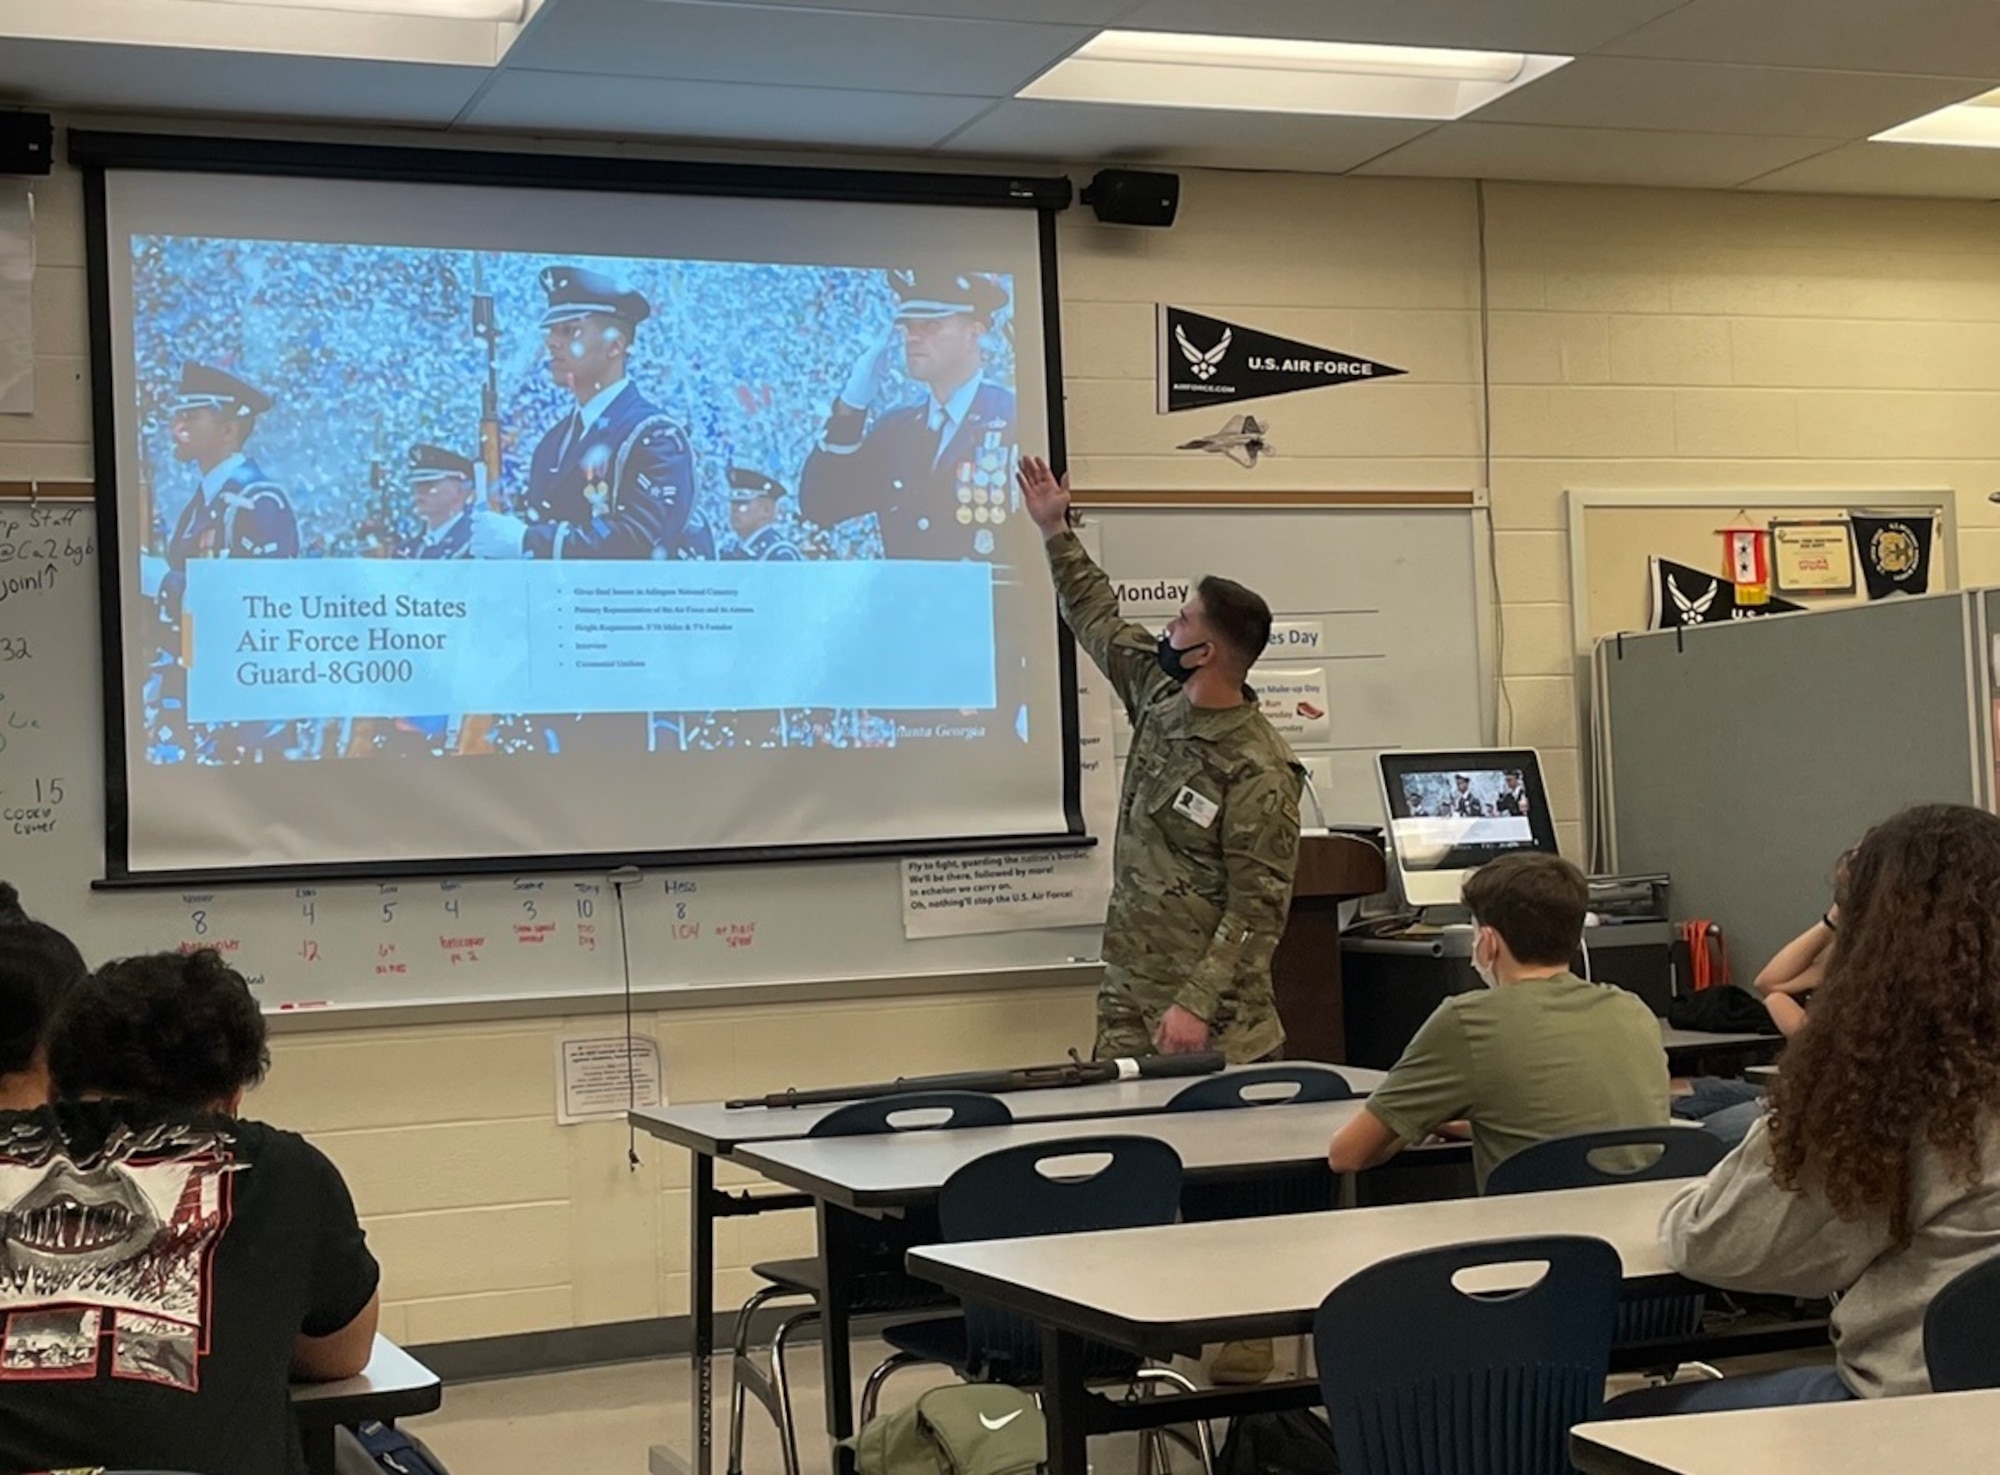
(1421, 1378)
(1227, 1091)
(1299, 1191)
(1568, 1162)
(1960, 1347)
(882, 1287)
(1007, 1195)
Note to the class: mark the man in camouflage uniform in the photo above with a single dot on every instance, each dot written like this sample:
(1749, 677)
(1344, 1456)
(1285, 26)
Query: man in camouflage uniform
(1208, 824)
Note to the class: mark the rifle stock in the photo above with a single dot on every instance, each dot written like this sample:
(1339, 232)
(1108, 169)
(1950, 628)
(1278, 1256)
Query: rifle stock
(1071, 1072)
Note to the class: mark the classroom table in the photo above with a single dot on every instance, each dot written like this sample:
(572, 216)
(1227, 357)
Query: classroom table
(711, 1132)
(1686, 1042)
(849, 1176)
(1938, 1433)
(1166, 1290)
(393, 1386)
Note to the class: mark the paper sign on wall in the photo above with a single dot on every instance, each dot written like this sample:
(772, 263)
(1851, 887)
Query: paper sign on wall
(1292, 640)
(600, 1077)
(1297, 704)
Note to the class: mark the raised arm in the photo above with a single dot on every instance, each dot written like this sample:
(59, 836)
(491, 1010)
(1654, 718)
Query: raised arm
(1123, 651)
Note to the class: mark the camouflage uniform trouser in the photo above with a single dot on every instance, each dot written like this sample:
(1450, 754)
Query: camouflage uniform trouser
(1128, 1008)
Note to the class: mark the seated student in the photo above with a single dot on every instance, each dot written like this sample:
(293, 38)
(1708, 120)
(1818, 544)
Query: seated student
(1727, 1108)
(38, 967)
(1538, 1053)
(1876, 1175)
(170, 1266)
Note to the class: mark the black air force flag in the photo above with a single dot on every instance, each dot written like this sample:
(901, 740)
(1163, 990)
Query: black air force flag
(1895, 551)
(1204, 361)
(1683, 596)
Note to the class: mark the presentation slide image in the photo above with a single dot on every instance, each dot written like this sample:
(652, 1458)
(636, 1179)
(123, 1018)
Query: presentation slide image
(357, 637)
(1495, 794)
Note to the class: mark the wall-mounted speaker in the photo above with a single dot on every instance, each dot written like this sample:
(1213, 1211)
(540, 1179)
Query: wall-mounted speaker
(1133, 197)
(27, 143)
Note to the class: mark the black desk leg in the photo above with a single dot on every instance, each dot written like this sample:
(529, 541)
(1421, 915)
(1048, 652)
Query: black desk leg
(318, 1441)
(701, 1310)
(1063, 1398)
(837, 1268)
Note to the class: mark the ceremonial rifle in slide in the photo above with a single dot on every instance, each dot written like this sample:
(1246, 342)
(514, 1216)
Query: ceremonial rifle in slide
(1071, 1072)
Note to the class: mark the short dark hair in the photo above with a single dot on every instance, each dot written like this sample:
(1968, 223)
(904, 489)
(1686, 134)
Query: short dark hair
(38, 968)
(180, 1030)
(1535, 902)
(1237, 614)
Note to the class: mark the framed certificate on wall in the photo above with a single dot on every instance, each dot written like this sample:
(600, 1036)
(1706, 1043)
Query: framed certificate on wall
(1813, 556)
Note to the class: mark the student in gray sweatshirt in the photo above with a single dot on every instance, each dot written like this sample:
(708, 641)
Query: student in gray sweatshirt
(1875, 1177)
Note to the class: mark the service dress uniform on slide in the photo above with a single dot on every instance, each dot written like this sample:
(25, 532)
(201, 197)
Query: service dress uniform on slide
(236, 512)
(938, 474)
(614, 478)
(1208, 840)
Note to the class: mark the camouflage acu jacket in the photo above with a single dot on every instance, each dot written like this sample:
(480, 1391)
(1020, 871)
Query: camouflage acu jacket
(1208, 831)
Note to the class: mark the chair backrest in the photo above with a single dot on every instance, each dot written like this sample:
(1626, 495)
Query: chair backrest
(1422, 1378)
(915, 1111)
(1119, 1183)
(1960, 1347)
(1224, 1092)
(1568, 1162)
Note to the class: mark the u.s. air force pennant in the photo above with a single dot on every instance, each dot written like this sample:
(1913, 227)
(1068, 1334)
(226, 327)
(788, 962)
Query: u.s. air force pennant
(1206, 361)
(1683, 595)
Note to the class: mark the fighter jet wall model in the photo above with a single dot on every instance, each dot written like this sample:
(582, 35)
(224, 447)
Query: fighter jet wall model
(1242, 440)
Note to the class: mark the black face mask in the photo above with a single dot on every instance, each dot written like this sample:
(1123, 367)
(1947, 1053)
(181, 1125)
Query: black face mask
(1173, 659)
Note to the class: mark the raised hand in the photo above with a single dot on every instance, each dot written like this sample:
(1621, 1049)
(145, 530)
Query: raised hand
(1044, 494)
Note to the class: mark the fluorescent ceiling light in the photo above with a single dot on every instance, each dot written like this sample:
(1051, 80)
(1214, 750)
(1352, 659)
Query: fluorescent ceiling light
(1250, 74)
(507, 12)
(1974, 124)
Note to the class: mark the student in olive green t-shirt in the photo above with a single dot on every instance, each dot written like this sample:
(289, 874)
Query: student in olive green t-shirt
(1538, 1053)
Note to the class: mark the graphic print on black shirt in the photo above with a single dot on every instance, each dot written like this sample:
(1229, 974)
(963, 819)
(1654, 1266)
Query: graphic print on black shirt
(104, 1264)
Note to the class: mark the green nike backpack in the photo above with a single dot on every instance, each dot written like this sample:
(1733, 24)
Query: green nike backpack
(959, 1429)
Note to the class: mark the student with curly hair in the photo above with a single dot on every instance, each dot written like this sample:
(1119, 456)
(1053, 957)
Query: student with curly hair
(171, 1265)
(38, 968)
(1875, 1175)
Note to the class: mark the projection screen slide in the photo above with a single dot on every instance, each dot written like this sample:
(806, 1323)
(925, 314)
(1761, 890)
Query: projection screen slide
(470, 523)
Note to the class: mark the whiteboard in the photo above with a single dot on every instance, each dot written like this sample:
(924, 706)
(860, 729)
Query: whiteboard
(1393, 592)
(508, 944)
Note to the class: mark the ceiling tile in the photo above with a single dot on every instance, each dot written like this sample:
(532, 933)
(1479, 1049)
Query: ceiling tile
(169, 79)
(1950, 38)
(1566, 27)
(791, 47)
(1089, 132)
(1696, 97)
(631, 107)
(1892, 169)
(1471, 150)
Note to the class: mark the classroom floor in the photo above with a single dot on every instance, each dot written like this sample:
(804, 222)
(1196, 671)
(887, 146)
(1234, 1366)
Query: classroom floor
(608, 1418)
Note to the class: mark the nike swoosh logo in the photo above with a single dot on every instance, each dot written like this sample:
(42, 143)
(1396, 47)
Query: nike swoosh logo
(998, 1424)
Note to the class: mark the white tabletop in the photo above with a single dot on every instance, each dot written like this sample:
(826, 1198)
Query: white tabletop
(1702, 1039)
(1160, 1289)
(1937, 1433)
(904, 1167)
(391, 1372)
(711, 1127)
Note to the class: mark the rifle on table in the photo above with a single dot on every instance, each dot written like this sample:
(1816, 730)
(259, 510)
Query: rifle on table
(1071, 1072)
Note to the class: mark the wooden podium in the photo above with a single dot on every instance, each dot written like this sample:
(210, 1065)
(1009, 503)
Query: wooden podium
(1305, 970)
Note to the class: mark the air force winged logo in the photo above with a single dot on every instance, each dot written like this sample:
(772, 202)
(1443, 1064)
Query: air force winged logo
(1203, 363)
(1692, 611)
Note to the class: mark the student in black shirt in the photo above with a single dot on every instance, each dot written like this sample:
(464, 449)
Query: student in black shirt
(169, 1266)
(38, 967)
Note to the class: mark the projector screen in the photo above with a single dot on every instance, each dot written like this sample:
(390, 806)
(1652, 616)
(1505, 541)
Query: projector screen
(476, 524)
